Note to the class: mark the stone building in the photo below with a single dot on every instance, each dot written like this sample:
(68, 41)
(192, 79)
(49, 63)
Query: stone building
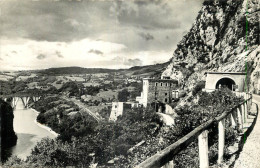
(158, 92)
(119, 107)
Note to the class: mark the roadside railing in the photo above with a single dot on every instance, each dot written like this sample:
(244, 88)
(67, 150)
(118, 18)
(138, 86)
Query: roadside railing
(238, 116)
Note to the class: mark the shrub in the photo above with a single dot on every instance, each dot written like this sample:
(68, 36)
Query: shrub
(200, 85)
(123, 95)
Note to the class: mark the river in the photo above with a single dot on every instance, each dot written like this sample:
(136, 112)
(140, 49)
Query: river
(28, 132)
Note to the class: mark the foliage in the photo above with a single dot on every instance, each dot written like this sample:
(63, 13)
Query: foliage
(123, 95)
(105, 112)
(73, 88)
(78, 126)
(92, 90)
(199, 86)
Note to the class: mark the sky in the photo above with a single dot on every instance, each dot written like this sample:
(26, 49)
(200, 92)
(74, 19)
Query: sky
(39, 34)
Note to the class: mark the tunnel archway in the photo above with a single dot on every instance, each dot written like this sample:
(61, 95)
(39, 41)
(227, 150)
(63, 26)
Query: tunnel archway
(227, 82)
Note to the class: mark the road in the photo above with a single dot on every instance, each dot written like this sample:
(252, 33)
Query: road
(250, 154)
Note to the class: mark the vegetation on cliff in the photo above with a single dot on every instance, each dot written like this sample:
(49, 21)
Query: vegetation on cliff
(8, 136)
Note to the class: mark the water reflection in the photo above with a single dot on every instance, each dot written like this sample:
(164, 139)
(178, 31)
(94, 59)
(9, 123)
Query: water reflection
(28, 132)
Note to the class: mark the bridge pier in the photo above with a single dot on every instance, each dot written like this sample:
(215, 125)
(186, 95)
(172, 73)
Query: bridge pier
(14, 102)
(25, 101)
(35, 99)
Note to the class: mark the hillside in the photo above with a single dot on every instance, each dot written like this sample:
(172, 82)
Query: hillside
(224, 36)
(148, 70)
(74, 70)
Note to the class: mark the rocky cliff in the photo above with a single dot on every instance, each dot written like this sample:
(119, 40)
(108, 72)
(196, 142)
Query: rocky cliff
(8, 136)
(224, 37)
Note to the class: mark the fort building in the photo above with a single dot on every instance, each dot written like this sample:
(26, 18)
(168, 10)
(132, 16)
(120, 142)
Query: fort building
(158, 91)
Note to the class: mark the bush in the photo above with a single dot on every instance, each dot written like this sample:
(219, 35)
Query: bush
(200, 85)
(123, 95)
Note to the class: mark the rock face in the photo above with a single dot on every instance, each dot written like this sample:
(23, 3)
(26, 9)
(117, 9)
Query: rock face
(8, 136)
(224, 36)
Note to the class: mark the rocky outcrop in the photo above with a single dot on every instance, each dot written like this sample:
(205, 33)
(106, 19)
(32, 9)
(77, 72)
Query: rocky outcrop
(8, 136)
(224, 36)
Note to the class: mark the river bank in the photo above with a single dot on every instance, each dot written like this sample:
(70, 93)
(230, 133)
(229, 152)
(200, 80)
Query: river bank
(28, 131)
(44, 126)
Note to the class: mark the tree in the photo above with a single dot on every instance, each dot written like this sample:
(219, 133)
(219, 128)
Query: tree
(123, 95)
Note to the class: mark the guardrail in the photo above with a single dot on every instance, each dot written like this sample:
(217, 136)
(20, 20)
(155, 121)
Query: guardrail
(238, 116)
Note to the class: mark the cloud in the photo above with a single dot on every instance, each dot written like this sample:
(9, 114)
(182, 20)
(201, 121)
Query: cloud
(130, 29)
(146, 36)
(97, 52)
(41, 56)
(70, 21)
(133, 62)
(59, 54)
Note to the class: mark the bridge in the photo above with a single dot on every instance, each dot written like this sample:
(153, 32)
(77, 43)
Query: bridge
(13, 99)
(240, 119)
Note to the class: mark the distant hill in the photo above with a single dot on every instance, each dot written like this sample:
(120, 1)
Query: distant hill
(148, 70)
(75, 70)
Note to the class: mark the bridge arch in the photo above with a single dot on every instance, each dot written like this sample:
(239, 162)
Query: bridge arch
(225, 81)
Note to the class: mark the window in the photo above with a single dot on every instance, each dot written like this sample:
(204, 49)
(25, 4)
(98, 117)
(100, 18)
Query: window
(156, 84)
(165, 94)
(161, 84)
(115, 106)
(166, 84)
(166, 100)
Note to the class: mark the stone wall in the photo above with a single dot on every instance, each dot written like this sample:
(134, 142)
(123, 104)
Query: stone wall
(161, 90)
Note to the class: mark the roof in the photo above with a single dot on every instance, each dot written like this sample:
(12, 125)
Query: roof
(232, 73)
(161, 80)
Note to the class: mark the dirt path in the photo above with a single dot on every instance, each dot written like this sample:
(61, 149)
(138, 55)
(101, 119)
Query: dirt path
(250, 155)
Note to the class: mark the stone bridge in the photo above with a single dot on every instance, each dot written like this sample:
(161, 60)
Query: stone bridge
(13, 99)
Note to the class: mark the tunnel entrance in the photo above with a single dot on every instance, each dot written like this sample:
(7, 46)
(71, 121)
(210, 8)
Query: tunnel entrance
(226, 82)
